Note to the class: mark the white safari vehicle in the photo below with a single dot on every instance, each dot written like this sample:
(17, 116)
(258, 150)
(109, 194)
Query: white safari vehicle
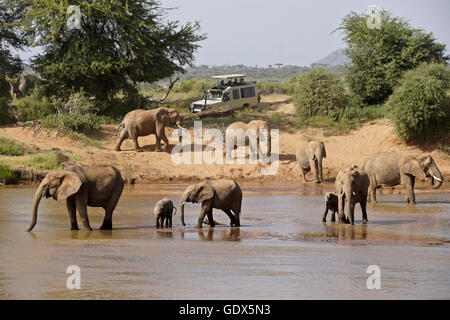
(231, 91)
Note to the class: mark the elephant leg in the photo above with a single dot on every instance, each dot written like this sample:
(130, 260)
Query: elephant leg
(333, 216)
(303, 171)
(230, 215)
(324, 217)
(363, 205)
(314, 169)
(202, 216)
(109, 210)
(72, 209)
(372, 191)
(158, 143)
(210, 218)
(170, 220)
(237, 219)
(164, 138)
(409, 182)
(157, 222)
(123, 136)
(136, 144)
(82, 211)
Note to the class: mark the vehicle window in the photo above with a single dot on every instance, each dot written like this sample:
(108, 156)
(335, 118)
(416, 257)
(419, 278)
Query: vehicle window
(226, 96)
(248, 92)
(235, 94)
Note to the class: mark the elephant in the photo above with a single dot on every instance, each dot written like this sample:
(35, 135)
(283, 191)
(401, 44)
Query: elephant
(392, 169)
(309, 157)
(255, 130)
(221, 194)
(138, 123)
(331, 204)
(163, 211)
(82, 186)
(352, 186)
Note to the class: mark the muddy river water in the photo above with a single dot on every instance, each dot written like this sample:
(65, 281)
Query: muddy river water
(281, 251)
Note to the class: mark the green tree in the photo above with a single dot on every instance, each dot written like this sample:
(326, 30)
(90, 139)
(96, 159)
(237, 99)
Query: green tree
(421, 104)
(11, 36)
(319, 92)
(380, 56)
(116, 44)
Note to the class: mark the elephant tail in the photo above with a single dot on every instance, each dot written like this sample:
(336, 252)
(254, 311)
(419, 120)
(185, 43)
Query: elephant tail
(175, 210)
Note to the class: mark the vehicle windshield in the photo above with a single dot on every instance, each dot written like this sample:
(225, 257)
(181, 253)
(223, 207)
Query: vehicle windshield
(215, 96)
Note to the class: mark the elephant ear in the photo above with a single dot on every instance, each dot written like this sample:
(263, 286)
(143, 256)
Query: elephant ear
(205, 192)
(412, 167)
(162, 116)
(69, 185)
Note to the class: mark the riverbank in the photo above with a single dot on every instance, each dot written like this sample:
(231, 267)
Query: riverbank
(157, 167)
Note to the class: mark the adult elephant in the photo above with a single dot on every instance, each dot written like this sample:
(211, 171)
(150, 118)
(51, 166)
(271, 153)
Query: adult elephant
(82, 186)
(392, 169)
(309, 157)
(139, 123)
(222, 194)
(351, 186)
(256, 130)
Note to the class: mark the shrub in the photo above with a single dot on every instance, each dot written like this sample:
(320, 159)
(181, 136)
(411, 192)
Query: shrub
(193, 85)
(7, 175)
(32, 107)
(5, 115)
(421, 104)
(10, 147)
(319, 92)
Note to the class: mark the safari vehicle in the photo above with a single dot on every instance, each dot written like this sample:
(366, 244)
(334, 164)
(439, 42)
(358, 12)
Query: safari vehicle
(231, 91)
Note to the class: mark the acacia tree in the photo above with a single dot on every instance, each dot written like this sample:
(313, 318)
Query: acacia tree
(11, 36)
(107, 45)
(380, 56)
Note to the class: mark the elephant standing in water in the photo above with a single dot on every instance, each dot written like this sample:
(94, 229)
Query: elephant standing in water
(82, 186)
(256, 130)
(392, 169)
(351, 186)
(138, 123)
(218, 194)
(310, 157)
(163, 211)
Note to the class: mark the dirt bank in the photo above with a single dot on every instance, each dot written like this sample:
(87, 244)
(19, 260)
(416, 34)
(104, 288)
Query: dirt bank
(151, 166)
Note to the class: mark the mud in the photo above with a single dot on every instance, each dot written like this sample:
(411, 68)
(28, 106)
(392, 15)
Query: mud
(281, 251)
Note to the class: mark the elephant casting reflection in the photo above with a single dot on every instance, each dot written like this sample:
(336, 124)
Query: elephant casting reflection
(82, 186)
(139, 123)
(351, 186)
(223, 194)
(309, 157)
(392, 169)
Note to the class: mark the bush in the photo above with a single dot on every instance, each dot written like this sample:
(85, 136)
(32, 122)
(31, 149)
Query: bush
(5, 115)
(7, 175)
(193, 85)
(10, 147)
(32, 107)
(420, 104)
(76, 113)
(278, 87)
(319, 92)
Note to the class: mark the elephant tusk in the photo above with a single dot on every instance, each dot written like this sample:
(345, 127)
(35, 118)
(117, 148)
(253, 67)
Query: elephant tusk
(437, 178)
(342, 193)
(354, 193)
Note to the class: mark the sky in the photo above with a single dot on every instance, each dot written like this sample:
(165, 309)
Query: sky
(295, 32)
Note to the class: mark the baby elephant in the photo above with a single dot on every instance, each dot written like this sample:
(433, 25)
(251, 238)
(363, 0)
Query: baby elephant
(331, 204)
(163, 211)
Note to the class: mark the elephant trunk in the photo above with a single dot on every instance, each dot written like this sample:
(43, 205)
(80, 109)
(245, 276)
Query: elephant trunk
(182, 213)
(180, 131)
(319, 167)
(37, 198)
(436, 175)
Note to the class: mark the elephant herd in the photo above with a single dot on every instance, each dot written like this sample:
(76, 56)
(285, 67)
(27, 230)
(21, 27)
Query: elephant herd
(102, 186)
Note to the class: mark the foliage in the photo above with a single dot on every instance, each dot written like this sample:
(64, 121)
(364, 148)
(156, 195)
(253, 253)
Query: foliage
(381, 56)
(319, 92)
(10, 147)
(5, 116)
(279, 87)
(32, 107)
(11, 36)
(7, 175)
(193, 85)
(115, 48)
(421, 104)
